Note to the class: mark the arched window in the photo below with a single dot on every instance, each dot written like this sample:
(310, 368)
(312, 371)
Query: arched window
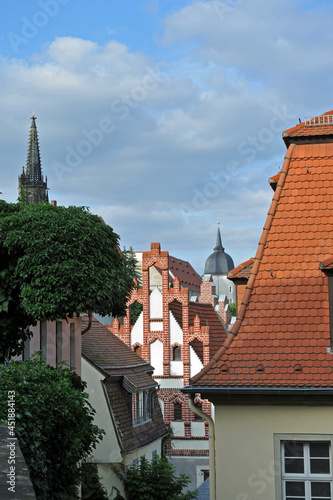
(177, 353)
(178, 414)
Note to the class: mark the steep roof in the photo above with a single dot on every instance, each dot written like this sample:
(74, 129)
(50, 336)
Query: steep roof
(183, 270)
(106, 350)
(281, 337)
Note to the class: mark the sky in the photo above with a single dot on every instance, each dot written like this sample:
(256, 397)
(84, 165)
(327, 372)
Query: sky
(162, 115)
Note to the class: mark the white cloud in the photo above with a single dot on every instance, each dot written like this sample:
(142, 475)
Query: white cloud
(162, 148)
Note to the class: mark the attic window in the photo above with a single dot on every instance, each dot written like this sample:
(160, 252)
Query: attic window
(141, 407)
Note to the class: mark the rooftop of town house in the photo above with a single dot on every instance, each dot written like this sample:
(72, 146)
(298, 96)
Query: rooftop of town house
(281, 337)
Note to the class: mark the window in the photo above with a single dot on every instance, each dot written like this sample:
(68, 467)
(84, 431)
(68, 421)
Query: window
(177, 354)
(306, 470)
(141, 406)
(178, 414)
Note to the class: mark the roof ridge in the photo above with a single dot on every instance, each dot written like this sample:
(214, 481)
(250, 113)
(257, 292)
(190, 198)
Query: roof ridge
(257, 259)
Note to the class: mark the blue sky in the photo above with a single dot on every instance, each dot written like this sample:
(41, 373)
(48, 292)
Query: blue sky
(162, 115)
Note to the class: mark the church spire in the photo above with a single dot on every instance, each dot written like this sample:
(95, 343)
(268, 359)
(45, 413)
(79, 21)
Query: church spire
(33, 167)
(31, 183)
(218, 245)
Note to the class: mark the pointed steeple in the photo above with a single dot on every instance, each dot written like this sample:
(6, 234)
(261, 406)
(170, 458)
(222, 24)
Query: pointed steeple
(218, 245)
(31, 183)
(33, 166)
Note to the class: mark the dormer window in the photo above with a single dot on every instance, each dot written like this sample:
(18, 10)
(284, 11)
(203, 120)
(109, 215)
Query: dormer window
(141, 407)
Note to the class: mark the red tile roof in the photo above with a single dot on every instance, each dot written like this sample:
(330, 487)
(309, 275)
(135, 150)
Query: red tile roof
(313, 128)
(282, 334)
(183, 270)
(241, 271)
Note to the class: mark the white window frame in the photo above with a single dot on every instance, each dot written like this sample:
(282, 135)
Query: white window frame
(281, 477)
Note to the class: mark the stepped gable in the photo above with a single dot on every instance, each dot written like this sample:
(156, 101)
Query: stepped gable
(208, 317)
(281, 338)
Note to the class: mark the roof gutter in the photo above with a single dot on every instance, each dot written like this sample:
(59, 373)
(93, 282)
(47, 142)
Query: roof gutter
(212, 461)
(290, 391)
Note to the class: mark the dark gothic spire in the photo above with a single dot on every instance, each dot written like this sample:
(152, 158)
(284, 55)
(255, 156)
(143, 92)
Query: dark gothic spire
(33, 168)
(219, 262)
(31, 183)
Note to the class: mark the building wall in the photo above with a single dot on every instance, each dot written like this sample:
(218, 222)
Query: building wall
(246, 453)
(107, 450)
(58, 341)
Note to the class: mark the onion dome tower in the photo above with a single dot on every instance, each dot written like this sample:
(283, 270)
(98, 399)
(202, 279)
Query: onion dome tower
(218, 265)
(32, 187)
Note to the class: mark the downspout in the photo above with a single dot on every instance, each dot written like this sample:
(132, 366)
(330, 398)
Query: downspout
(211, 425)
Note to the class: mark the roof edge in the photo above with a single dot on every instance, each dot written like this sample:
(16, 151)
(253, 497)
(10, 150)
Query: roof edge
(257, 259)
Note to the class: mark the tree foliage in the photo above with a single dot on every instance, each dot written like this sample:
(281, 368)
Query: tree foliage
(53, 423)
(156, 480)
(57, 262)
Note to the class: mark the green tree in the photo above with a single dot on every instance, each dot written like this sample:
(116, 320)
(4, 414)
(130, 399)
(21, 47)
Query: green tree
(156, 480)
(57, 262)
(53, 423)
(233, 309)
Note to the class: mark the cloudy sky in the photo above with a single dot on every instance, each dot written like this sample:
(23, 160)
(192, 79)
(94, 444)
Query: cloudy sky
(162, 115)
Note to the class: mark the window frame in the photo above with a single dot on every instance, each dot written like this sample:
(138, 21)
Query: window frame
(142, 406)
(281, 477)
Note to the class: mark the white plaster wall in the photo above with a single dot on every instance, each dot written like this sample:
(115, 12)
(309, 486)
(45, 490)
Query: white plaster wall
(170, 383)
(195, 362)
(156, 326)
(245, 446)
(176, 368)
(178, 429)
(155, 304)
(107, 450)
(176, 333)
(137, 331)
(196, 444)
(156, 356)
(197, 429)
